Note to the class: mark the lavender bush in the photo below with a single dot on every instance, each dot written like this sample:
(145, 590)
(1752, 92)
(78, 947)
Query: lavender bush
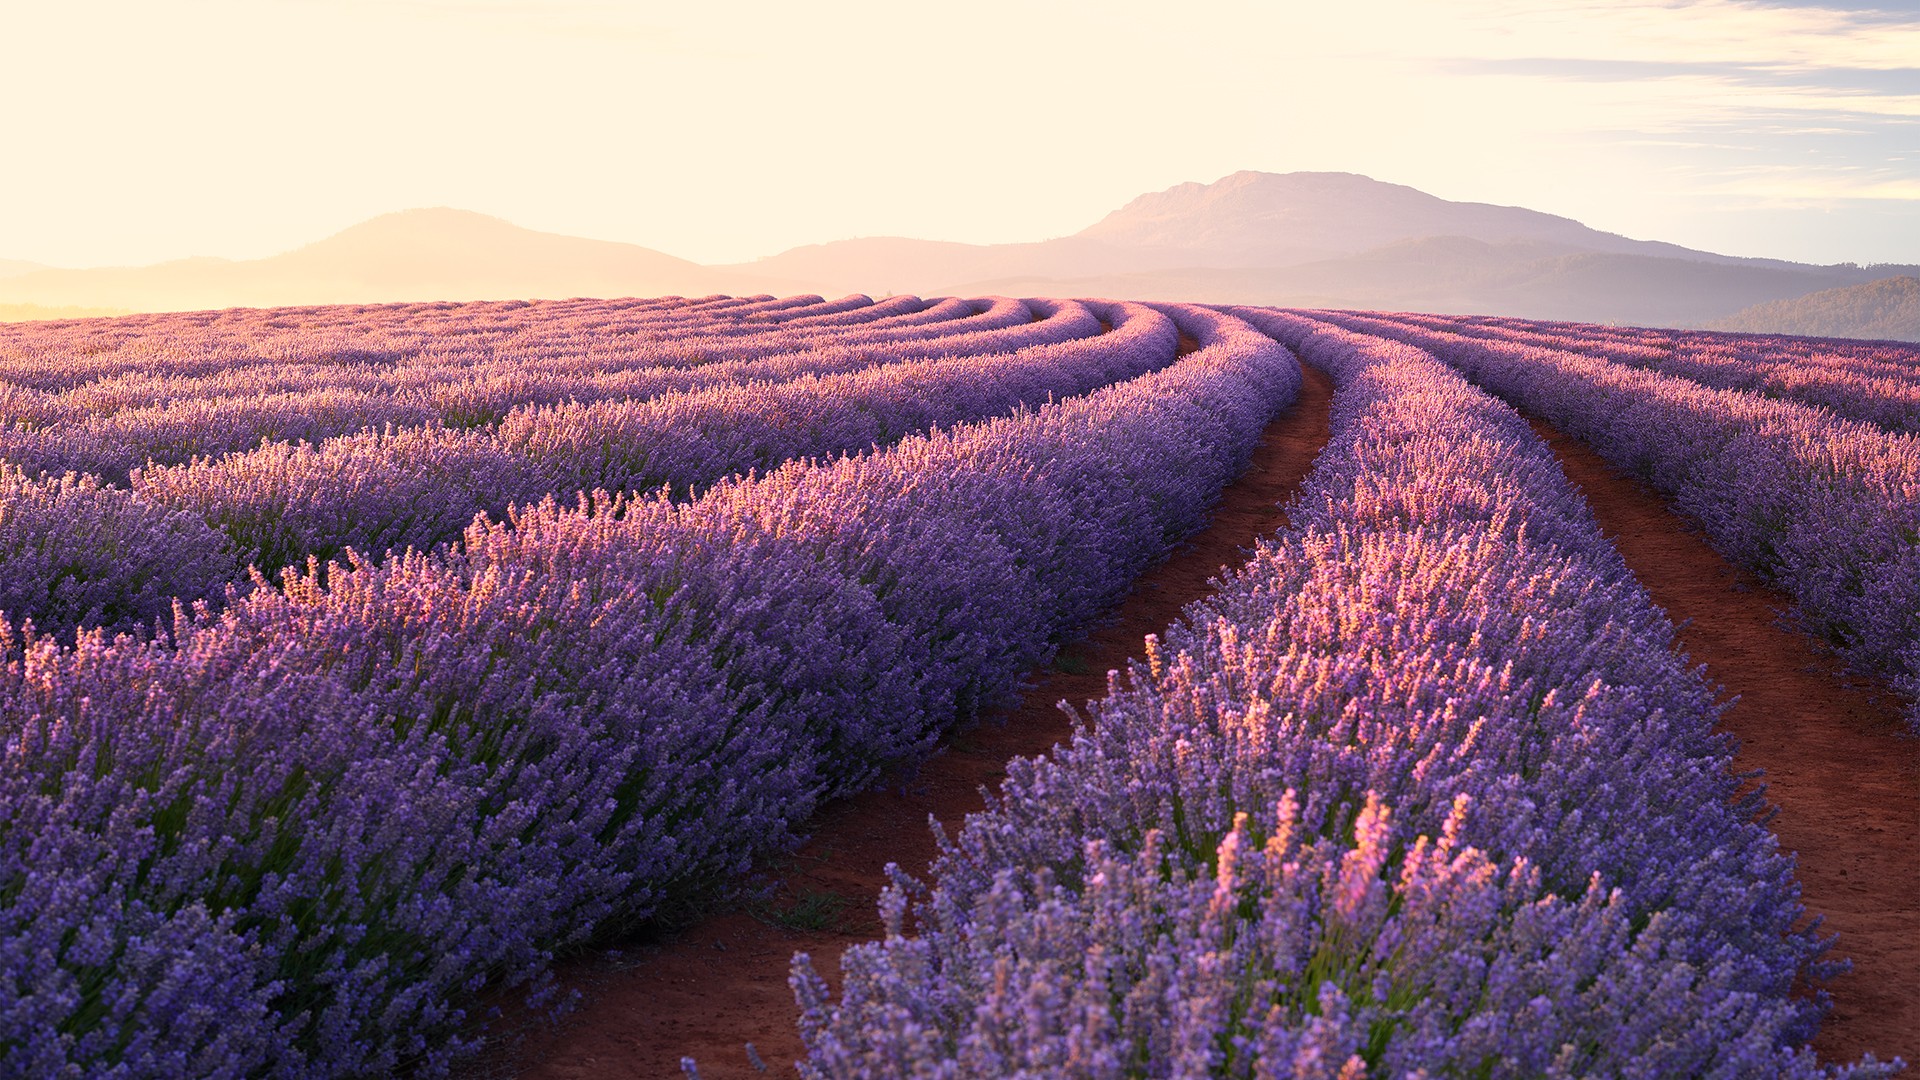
(74, 553)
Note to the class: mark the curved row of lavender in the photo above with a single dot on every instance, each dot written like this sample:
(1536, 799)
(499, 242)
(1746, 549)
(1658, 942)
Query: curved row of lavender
(65, 371)
(1421, 792)
(420, 486)
(97, 428)
(1827, 508)
(387, 491)
(1874, 381)
(56, 356)
(297, 838)
(59, 355)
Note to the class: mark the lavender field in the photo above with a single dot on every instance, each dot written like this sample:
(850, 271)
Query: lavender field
(360, 663)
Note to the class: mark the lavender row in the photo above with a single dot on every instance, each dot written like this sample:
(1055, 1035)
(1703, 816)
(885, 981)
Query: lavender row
(1878, 382)
(171, 353)
(1863, 357)
(883, 312)
(298, 838)
(1422, 791)
(420, 487)
(387, 491)
(213, 416)
(605, 350)
(1827, 508)
(176, 429)
(59, 354)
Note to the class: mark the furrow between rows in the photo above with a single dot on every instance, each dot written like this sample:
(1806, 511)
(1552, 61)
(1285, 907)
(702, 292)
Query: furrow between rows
(1834, 761)
(711, 988)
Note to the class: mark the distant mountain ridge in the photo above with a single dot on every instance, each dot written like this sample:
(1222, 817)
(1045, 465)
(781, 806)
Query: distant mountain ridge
(1888, 309)
(1319, 239)
(1309, 239)
(1268, 219)
(428, 254)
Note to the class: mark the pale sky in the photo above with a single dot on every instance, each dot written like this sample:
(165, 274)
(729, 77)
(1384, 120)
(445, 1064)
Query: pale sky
(139, 130)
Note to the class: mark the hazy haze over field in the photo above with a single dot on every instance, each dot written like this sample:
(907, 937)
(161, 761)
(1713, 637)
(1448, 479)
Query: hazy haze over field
(145, 132)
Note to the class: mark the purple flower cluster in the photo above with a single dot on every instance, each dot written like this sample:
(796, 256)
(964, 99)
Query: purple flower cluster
(296, 837)
(1422, 792)
(1826, 507)
(75, 553)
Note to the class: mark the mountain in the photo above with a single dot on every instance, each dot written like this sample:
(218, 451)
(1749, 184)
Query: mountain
(15, 267)
(1886, 310)
(436, 254)
(1276, 219)
(1320, 239)
(1307, 239)
(1249, 220)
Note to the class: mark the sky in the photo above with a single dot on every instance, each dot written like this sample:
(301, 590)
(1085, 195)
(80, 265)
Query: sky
(141, 130)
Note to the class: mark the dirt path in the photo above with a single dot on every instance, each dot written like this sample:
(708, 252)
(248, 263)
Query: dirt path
(1846, 781)
(721, 984)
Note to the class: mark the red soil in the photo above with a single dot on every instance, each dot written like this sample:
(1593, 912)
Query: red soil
(712, 988)
(1846, 782)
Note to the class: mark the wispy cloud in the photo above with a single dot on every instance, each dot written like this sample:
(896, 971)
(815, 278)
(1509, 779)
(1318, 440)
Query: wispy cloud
(1740, 95)
(1894, 12)
(1892, 82)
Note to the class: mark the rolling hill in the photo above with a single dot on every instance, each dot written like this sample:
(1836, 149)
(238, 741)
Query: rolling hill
(1888, 309)
(435, 254)
(1273, 219)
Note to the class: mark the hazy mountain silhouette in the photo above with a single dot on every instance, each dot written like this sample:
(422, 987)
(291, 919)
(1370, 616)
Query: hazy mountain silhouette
(1888, 309)
(436, 254)
(1331, 240)
(1298, 239)
(1249, 220)
(15, 267)
(1277, 219)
